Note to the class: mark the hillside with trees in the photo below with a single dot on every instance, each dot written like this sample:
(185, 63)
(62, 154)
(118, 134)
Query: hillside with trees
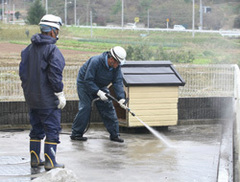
(223, 14)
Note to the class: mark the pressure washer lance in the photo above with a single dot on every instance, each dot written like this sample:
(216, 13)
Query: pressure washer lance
(158, 135)
(111, 98)
(122, 105)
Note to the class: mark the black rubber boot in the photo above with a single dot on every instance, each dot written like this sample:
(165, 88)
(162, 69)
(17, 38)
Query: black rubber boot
(117, 139)
(35, 148)
(50, 149)
(80, 138)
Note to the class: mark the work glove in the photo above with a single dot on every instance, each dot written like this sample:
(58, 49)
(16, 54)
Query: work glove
(62, 100)
(122, 103)
(102, 95)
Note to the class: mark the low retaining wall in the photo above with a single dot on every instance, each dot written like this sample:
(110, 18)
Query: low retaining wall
(207, 108)
(16, 113)
(212, 108)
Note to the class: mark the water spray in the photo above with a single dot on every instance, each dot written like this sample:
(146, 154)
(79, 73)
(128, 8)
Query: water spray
(154, 132)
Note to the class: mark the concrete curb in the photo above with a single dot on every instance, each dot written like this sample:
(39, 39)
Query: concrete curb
(225, 165)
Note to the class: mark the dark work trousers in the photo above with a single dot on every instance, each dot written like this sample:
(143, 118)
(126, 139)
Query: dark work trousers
(106, 110)
(45, 122)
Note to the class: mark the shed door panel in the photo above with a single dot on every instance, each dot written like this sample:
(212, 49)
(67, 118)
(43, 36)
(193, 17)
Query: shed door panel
(153, 121)
(156, 106)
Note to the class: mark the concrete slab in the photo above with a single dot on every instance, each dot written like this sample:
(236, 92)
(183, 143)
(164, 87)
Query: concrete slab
(193, 155)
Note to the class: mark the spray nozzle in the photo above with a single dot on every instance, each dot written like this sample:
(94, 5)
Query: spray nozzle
(133, 114)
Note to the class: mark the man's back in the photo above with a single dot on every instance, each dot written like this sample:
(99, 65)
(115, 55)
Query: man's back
(36, 73)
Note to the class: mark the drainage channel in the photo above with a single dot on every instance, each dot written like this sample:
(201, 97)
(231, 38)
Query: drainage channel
(17, 169)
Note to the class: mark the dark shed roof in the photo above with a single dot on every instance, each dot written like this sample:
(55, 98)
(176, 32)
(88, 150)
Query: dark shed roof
(140, 73)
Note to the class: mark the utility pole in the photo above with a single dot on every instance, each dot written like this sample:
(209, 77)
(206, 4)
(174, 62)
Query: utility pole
(7, 9)
(201, 16)
(91, 23)
(75, 12)
(65, 12)
(46, 6)
(13, 15)
(148, 21)
(2, 10)
(122, 14)
(193, 17)
(88, 4)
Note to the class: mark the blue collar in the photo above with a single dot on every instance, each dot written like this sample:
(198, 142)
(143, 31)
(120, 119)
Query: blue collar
(106, 61)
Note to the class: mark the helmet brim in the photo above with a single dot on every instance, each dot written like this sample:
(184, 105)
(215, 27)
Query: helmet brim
(50, 24)
(118, 59)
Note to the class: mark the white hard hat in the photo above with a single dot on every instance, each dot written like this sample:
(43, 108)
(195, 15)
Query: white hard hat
(119, 54)
(51, 20)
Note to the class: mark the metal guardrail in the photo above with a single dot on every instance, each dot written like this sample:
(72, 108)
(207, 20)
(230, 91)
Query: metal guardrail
(235, 33)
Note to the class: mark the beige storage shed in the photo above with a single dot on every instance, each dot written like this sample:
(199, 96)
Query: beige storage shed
(152, 91)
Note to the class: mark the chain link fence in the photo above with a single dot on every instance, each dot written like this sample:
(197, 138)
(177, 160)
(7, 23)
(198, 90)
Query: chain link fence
(215, 80)
(11, 90)
(201, 81)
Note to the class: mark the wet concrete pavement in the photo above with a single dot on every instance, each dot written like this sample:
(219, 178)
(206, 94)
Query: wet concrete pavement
(193, 155)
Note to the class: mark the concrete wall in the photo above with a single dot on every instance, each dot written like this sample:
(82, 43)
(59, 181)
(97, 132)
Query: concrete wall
(16, 113)
(208, 108)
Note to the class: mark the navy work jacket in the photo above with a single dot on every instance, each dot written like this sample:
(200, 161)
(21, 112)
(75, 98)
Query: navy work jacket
(40, 71)
(95, 75)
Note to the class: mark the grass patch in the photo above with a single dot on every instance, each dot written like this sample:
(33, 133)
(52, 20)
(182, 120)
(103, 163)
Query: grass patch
(202, 61)
(205, 48)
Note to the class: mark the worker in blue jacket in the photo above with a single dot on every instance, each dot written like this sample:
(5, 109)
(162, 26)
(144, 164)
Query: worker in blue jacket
(40, 71)
(92, 81)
